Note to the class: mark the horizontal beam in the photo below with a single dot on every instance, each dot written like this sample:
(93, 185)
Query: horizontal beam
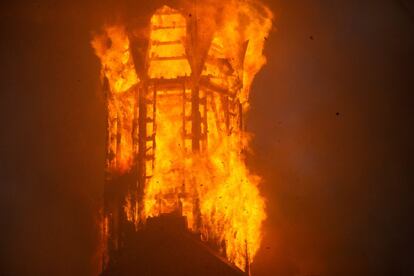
(157, 42)
(168, 58)
(205, 81)
(175, 83)
(167, 27)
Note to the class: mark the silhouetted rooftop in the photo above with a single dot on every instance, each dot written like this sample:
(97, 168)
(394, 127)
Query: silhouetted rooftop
(165, 247)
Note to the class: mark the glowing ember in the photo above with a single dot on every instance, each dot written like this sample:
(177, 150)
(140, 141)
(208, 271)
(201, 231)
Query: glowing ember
(175, 121)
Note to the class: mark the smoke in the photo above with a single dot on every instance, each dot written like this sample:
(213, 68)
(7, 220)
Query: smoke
(52, 155)
(331, 113)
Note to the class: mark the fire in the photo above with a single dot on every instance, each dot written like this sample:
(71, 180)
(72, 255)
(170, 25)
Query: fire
(113, 49)
(179, 125)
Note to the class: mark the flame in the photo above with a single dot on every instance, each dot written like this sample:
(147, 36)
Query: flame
(211, 186)
(113, 49)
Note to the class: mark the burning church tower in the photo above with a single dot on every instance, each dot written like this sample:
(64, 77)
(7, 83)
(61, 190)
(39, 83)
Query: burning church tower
(177, 93)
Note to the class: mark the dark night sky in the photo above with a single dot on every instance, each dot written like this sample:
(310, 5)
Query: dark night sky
(331, 113)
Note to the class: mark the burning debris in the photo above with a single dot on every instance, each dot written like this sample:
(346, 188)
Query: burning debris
(176, 97)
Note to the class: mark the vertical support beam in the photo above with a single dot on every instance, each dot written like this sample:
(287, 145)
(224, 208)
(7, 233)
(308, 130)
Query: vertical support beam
(142, 136)
(241, 123)
(118, 138)
(184, 131)
(205, 121)
(154, 126)
(195, 116)
(106, 220)
(226, 112)
(135, 125)
(247, 260)
(135, 144)
(195, 79)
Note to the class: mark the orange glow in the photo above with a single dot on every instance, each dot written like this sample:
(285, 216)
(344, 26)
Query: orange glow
(209, 184)
(113, 49)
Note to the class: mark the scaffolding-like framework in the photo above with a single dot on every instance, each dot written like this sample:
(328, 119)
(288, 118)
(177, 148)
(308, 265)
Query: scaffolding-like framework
(195, 91)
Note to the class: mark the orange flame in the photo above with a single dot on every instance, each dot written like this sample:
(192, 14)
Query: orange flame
(113, 49)
(212, 187)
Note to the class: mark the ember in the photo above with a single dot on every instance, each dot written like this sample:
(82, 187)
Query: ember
(175, 123)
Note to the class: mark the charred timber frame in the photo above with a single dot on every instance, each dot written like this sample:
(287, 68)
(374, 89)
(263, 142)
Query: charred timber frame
(146, 92)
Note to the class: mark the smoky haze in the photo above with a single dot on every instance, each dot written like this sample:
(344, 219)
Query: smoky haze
(331, 114)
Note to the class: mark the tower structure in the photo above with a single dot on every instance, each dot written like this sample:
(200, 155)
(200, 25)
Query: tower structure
(176, 97)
